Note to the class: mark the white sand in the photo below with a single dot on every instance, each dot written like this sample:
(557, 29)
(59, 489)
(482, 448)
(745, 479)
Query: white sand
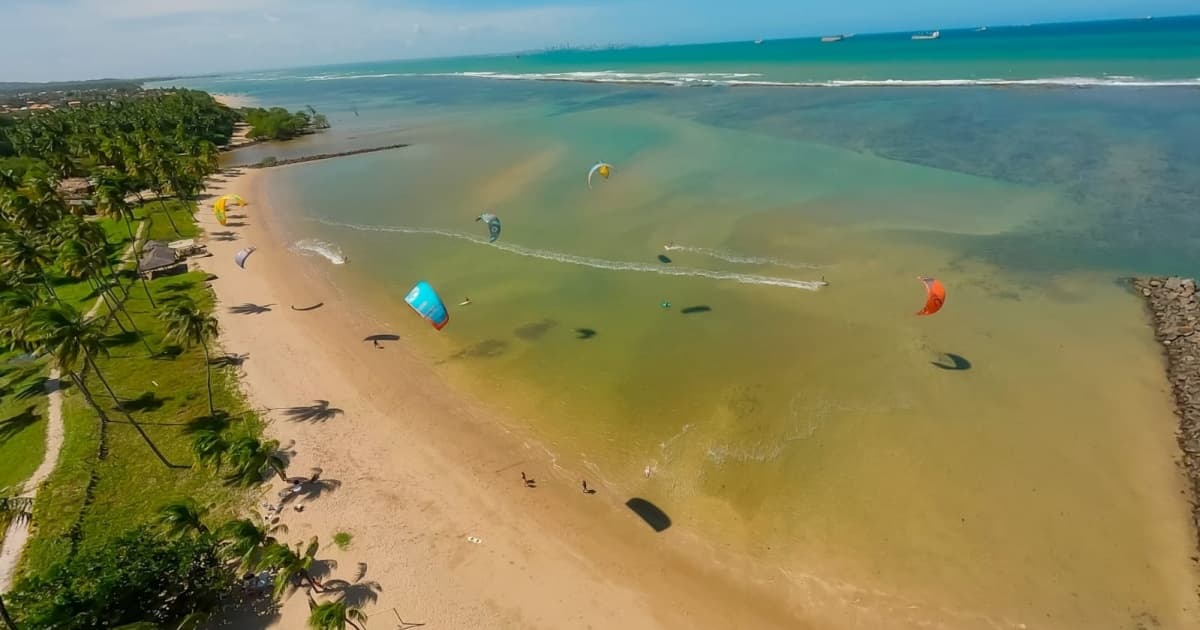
(422, 469)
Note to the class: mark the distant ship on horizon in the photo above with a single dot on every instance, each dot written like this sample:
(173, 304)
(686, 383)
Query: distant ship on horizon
(933, 35)
(832, 38)
(981, 29)
(758, 41)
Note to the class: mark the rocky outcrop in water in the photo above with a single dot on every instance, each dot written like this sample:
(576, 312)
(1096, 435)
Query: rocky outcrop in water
(1176, 312)
(272, 162)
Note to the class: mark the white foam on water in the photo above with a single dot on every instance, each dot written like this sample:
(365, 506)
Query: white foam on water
(739, 259)
(749, 79)
(314, 247)
(586, 261)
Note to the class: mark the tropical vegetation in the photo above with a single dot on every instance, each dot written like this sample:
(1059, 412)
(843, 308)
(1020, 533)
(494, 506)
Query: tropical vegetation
(150, 412)
(278, 123)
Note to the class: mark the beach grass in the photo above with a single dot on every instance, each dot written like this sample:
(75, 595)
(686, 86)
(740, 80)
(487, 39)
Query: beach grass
(91, 500)
(342, 540)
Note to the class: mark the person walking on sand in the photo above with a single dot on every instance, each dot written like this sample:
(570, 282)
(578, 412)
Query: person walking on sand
(586, 489)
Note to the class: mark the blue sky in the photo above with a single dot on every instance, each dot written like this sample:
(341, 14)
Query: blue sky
(44, 40)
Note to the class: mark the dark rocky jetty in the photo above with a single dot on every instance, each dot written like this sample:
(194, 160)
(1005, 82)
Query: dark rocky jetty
(1176, 313)
(272, 162)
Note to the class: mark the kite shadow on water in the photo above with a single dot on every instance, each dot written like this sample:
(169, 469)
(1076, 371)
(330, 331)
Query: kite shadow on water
(535, 330)
(308, 308)
(652, 514)
(381, 337)
(699, 308)
(585, 333)
(952, 362)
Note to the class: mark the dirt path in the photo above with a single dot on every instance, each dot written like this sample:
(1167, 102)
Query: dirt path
(18, 530)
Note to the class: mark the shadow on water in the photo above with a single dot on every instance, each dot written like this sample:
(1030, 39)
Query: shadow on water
(585, 333)
(699, 308)
(535, 330)
(250, 309)
(951, 361)
(309, 308)
(382, 337)
(650, 513)
(9, 427)
(486, 349)
(663, 258)
(319, 411)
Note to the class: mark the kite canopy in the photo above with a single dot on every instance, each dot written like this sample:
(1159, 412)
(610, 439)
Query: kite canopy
(493, 223)
(935, 295)
(425, 301)
(603, 168)
(223, 200)
(242, 255)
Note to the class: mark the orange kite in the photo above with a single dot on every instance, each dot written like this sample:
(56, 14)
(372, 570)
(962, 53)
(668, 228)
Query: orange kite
(935, 295)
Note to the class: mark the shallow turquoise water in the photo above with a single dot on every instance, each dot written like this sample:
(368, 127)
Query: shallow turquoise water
(806, 429)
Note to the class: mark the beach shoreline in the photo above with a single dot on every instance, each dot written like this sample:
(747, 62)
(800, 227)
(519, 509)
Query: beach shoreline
(420, 472)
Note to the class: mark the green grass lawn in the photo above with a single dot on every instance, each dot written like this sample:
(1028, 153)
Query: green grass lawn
(22, 420)
(165, 393)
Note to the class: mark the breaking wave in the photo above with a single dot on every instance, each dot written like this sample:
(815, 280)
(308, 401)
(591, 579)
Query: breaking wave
(586, 261)
(739, 259)
(314, 247)
(750, 79)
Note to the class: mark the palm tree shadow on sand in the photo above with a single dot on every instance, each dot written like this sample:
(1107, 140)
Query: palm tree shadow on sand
(319, 411)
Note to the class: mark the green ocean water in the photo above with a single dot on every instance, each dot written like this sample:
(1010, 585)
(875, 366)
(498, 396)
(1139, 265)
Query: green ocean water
(815, 432)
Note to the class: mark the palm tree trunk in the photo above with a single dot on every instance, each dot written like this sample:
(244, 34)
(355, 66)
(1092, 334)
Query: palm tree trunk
(316, 586)
(116, 279)
(168, 213)
(102, 451)
(120, 406)
(208, 376)
(137, 252)
(49, 289)
(4, 616)
(112, 310)
(132, 324)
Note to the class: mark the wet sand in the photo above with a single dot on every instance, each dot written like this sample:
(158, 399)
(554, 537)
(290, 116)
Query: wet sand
(421, 472)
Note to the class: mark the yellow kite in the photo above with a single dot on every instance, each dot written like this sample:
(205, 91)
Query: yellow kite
(604, 168)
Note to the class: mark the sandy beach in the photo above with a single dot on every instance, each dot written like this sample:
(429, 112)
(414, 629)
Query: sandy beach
(444, 531)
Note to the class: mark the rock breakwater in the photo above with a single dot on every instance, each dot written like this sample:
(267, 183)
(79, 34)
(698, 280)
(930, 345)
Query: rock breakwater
(1176, 314)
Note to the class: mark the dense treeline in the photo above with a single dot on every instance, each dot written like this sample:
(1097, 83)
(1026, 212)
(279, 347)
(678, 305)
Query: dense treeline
(177, 569)
(278, 123)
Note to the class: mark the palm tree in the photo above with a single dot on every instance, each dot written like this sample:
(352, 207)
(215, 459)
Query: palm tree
(246, 540)
(21, 254)
(291, 567)
(182, 517)
(334, 616)
(74, 341)
(252, 459)
(111, 191)
(17, 305)
(188, 324)
(210, 447)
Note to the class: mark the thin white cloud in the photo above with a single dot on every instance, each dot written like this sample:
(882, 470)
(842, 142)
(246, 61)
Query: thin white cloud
(131, 38)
